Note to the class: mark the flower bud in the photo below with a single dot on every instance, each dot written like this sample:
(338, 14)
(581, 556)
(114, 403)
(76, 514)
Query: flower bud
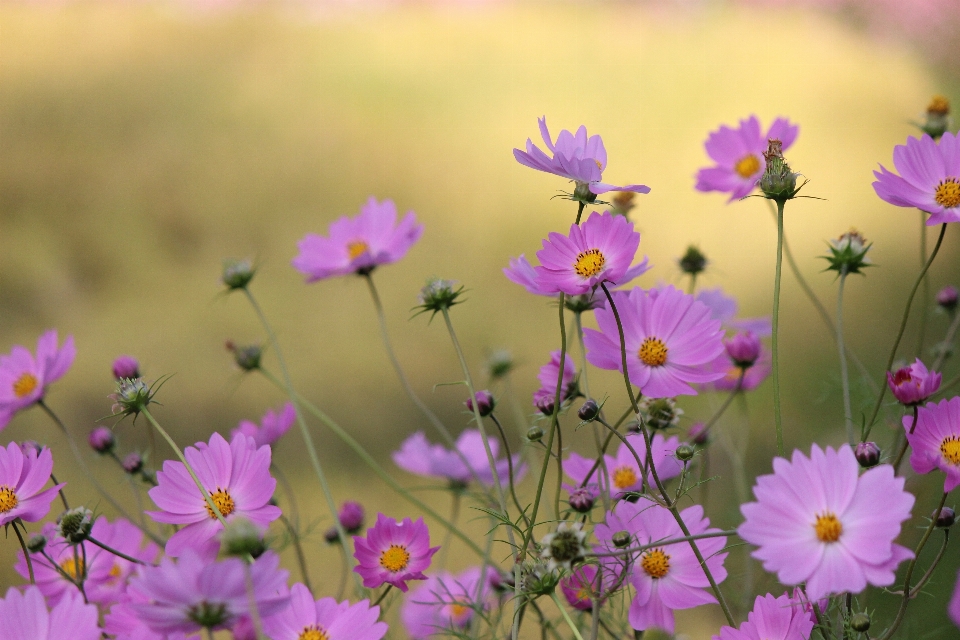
(544, 403)
(241, 538)
(246, 357)
(744, 349)
(946, 518)
(37, 543)
(867, 454)
(582, 193)
(693, 261)
(588, 411)
(126, 367)
(938, 117)
(31, 446)
(331, 536)
(499, 363)
(621, 539)
(237, 274)
(778, 181)
(684, 452)
(101, 440)
(351, 516)
(581, 500)
(848, 253)
(660, 413)
(133, 463)
(534, 434)
(74, 525)
(485, 403)
(914, 384)
(131, 397)
(439, 294)
(947, 298)
(622, 202)
(698, 434)
(860, 622)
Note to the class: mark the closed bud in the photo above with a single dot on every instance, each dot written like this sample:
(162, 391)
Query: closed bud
(332, 536)
(439, 294)
(622, 202)
(581, 500)
(237, 274)
(246, 357)
(660, 413)
(241, 538)
(588, 411)
(778, 181)
(848, 253)
(947, 298)
(133, 463)
(947, 518)
(937, 117)
(693, 261)
(743, 348)
(74, 525)
(582, 193)
(37, 543)
(684, 452)
(867, 454)
(131, 397)
(534, 434)
(621, 539)
(351, 516)
(126, 367)
(101, 440)
(860, 622)
(485, 403)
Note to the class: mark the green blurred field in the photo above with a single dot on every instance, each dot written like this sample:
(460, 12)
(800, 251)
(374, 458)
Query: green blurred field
(143, 144)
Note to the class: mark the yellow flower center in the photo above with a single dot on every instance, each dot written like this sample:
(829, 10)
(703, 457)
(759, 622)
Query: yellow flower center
(313, 632)
(747, 166)
(24, 385)
(224, 503)
(458, 610)
(73, 568)
(8, 499)
(653, 352)
(624, 477)
(828, 528)
(589, 263)
(584, 593)
(947, 193)
(357, 248)
(949, 448)
(395, 558)
(656, 563)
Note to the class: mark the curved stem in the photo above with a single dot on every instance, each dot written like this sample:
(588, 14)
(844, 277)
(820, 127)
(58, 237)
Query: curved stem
(933, 565)
(119, 554)
(778, 419)
(298, 549)
(925, 297)
(63, 496)
(844, 373)
(566, 616)
(26, 553)
(382, 595)
(506, 450)
(726, 403)
(662, 543)
(252, 603)
(606, 444)
(906, 443)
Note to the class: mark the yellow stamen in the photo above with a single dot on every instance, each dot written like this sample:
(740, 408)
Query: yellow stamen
(589, 263)
(747, 166)
(947, 193)
(828, 527)
(224, 503)
(72, 568)
(624, 477)
(458, 610)
(653, 352)
(599, 166)
(313, 632)
(395, 559)
(8, 499)
(24, 385)
(949, 448)
(357, 248)
(656, 563)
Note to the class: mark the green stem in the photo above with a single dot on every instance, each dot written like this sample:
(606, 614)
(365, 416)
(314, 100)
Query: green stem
(662, 543)
(903, 326)
(925, 297)
(26, 553)
(566, 616)
(298, 548)
(252, 603)
(506, 449)
(604, 493)
(383, 595)
(776, 332)
(947, 343)
(906, 443)
(119, 554)
(726, 403)
(844, 373)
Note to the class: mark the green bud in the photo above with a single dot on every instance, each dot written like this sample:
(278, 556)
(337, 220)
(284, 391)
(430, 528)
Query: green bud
(621, 539)
(778, 181)
(438, 295)
(848, 253)
(241, 538)
(684, 452)
(860, 622)
(131, 397)
(246, 357)
(74, 525)
(37, 543)
(693, 261)
(938, 118)
(534, 434)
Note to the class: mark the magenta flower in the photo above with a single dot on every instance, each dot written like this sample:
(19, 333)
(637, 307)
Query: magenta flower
(524, 274)
(583, 586)
(444, 604)
(23, 475)
(744, 349)
(816, 520)
(668, 337)
(543, 398)
(359, 244)
(914, 384)
(929, 178)
(772, 619)
(669, 577)
(324, 619)
(237, 477)
(24, 379)
(393, 552)
(946, 297)
(738, 154)
(25, 617)
(272, 427)
(935, 441)
(101, 439)
(193, 594)
(126, 367)
(623, 473)
(421, 458)
(576, 157)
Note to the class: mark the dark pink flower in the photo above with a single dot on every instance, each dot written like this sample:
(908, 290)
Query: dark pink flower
(583, 586)
(393, 553)
(524, 274)
(359, 244)
(744, 349)
(623, 473)
(23, 474)
(935, 441)
(484, 400)
(752, 377)
(914, 384)
(126, 367)
(543, 398)
(771, 619)
(101, 439)
(272, 426)
(444, 603)
(24, 379)
(419, 457)
(929, 178)
(738, 154)
(351, 516)
(324, 619)
(25, 617)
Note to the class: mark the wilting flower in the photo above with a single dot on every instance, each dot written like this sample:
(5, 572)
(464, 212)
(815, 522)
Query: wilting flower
(576, 157)
(817, 520)
(771, 619)
(935, 441)
(272, 426)
(929, 178)
(24, 379)
(544, 397)
(358, 244)
(914, 384)
(623, 473)
(444, 603)
(564, 546)
(22, 478)
(668, 577)
(25, 617)
(738, 154)
(668, 338)
(196, 593)
(235, 475)
(324, 619)
(419, 457)
(393, 553)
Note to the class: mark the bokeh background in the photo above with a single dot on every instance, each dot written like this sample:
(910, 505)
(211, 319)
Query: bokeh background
(143, 142)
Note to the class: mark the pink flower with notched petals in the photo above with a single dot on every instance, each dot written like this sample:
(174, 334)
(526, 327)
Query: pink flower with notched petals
(575, 156)
(25, 617)
(668, 338)
(272, 426)
(524, 274)
(359, 244)
(324, 618)
(914, 384)
(935, 441)
(623, 473)
(393, 552)
(419, 457)
(444, 604)
(929, 178)
(24, 379)
(22, 478)
(738, 154)
(544, 397)
(237, 477)
(772, 619)
(817, 521)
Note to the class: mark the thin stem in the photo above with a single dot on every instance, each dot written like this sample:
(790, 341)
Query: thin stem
(925, 297)
(947, 343)
(26, 553)
(566, 616)
(298, 548)
(662, 543)
(454, 514)
(506, 450)
(119, 554)
(63, 496)
(906, 443)
(606, 444)
(604, 493)
(252, 603)
(933, 565)
(778, 419)
(726, 403)
(383, 595)
(623, 350)
(903, 326)
(844, 373)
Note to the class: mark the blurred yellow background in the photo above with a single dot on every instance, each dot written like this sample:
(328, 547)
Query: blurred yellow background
(143, 143)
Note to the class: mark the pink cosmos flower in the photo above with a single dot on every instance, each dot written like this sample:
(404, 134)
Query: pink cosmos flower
(544, 397)
(583, 586)
(929, 178)
(914, 384)
(194, 593)
(724, 308)
(623, 474)
(738, 154)
(359, 244)
(237, 477)
(106, 575)
(816, 520)
(421, 458)
(752, 377)
(523, 273)
(772, 619)
(122, 623)
(743, 348)
(669, 577)
(444, 603)
(668, 337)
(272, 427)
(326, 619)
(23, 475)
(24, 379)
(575, 156)
(393, 552)
(25, 617)
(935, 442)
